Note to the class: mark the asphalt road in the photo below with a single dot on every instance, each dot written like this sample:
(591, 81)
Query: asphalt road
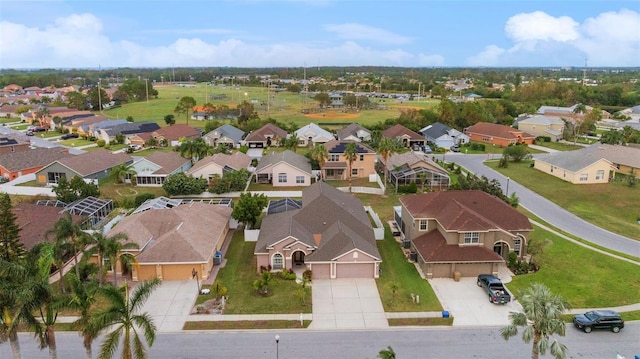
(547, 210)
(432, 342)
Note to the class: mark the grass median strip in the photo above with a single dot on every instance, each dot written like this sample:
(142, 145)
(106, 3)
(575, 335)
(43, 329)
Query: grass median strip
(246, 324)
(403, 322)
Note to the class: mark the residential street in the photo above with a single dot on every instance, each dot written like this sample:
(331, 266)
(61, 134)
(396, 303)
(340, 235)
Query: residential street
(547, 210)
(431, 342)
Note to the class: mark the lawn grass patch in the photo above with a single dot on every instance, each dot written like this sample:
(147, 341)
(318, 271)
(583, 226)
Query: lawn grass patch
(246, 324)
(583, 277)
(559, 146)
(76, 142)
(612, 206)
(238, 275)
(397, 269)
(403, 322)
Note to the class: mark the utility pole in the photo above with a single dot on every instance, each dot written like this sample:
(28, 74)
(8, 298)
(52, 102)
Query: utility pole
(100, 94)
(146, 87)
(584, 73)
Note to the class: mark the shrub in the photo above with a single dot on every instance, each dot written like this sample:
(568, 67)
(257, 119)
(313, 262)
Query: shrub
(141, 198)
(513, 259)
(543, 139)
(101, 142)
(287, 274)
(410, 188)
(478, 146)
(243, 149)
(307, 274)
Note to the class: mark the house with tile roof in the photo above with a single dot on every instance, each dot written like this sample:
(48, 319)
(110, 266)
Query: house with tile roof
(331, 235)
(35, 220)
(153, 170)
(20, 163)
(498, 135)
(547, 126)
(597, 163)
(225, 134)
(405, 137)
(219, 164)
(443, 136)
(312, 134)
(413, 167)
(284, 169)
(92, 165)
(266, 136)
(336, 166)
(463, 233)
(354, 132)
(174, 242)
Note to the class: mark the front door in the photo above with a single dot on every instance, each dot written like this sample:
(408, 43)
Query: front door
(298, 258)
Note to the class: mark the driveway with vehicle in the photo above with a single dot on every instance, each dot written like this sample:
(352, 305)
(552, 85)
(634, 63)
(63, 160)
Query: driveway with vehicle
(469, 305)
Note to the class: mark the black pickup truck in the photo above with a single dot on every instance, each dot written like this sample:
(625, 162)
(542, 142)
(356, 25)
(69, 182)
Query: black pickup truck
(494, 288)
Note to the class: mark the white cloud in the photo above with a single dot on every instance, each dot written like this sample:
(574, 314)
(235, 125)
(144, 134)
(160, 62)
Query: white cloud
(609, 39)
(430, 60)
(353, 31)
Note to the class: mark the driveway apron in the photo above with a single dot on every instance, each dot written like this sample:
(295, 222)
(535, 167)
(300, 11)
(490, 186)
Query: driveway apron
(347, 304)
(170, 304)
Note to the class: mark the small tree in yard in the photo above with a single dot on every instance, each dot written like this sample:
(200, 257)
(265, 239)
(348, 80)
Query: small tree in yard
(262, 284)
(541, 319)
(249, 208)
(516, 153)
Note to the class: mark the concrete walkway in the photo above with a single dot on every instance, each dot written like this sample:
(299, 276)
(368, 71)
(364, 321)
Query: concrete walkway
(542, 148)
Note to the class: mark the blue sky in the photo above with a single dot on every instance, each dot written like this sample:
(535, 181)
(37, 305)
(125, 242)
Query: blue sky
(295, 33)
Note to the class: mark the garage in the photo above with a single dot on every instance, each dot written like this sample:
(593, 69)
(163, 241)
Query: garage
(321, 271)
(355, 270)
(448, 270)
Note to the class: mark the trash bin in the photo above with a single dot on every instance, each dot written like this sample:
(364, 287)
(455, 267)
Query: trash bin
(445, 314)
(217, 258)
(456, 276)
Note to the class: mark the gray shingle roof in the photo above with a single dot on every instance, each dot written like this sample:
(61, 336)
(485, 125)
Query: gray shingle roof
(229, 131)
(298, 161)
(579, 159)
(351, 130)
(94, 161)
(37, 157)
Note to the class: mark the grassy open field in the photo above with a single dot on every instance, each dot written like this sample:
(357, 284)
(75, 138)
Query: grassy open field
(284, 107)
(613, 206)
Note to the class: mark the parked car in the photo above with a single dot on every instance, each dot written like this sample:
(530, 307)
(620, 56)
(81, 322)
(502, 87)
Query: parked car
(135, 147)
(427, 149)
(455, 148)
(36, 129)
(599, 319)
(29, 133)
(69, 135)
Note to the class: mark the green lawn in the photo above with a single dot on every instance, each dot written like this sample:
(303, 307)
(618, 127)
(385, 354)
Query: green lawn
(397, 269)
(612, 206)
(285, 107)
(584, 278)
(403, 322)
(559, 146)
(246, 324)
(238, 275)
(77, 142)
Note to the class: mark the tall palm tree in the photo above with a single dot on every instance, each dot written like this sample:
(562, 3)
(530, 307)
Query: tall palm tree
(350, 154)
(320, 154)
(541, 319)
(120, 172)
(83, 297)
(114, 247)
(66, 229)
(122, 315)
(102, 246)
(60, 249)
(386, 147)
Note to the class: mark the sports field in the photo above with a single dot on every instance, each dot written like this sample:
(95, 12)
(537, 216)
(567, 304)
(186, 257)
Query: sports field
(283, 106)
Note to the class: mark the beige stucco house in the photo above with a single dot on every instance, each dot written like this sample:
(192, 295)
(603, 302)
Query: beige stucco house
(576, 167)
(462, 233)
(284, 169)
(337, 167)
(174, 242)
(218, 164)
(547, 126)
(331, 235)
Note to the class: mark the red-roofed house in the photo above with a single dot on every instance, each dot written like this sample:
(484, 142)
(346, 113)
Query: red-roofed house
(461, 233)
(498, 135)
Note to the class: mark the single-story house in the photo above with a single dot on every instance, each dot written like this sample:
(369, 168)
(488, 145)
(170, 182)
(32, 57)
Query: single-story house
(312, 134)
(266, 136)
(331, 235)
(406, 137)
(225, 134)
(354, 132)
(153, 170)
(16, 164)
(541, 125)
(624, 158)
(91, 130)
(14, 143)
(412, 167)
(127, 129)
(498, 135)
(174, 243)
(443, 136)
(35, 220)
(172, 135)
(337, 167)
(462, 233)
(218, 164)
(284, 169)
(92, 165)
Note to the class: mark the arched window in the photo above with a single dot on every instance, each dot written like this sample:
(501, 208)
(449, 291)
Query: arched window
(277, 261)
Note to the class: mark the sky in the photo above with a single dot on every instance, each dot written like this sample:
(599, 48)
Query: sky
(310, 33)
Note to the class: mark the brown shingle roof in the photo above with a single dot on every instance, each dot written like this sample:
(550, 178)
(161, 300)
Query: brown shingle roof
(175, 132)
(186, 233)
(94, 161)
(168, 161)
(466, 211)
(399, 130)
(497, 131)
(410, 159)
(32, 158)
(433, 247)
(34, 222)
(237, 161)
(267, 130)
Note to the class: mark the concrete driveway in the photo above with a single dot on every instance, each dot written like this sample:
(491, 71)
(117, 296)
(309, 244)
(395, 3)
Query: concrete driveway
(347, 304)
(469, 305)
(170, 304)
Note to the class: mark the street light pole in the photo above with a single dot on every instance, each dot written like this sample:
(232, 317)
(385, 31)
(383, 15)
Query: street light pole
(508, 186)
(277, 342)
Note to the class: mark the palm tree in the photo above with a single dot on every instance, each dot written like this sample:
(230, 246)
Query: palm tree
(541, 319)
(121, 172)
(350, 154)
(60, 248)
(320, 154)
(386, 147)
(67, 230)
(113, 251)
(83, 298)
(121, 314)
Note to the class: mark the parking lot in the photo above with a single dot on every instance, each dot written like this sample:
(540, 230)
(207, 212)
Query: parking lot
(469, 305)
